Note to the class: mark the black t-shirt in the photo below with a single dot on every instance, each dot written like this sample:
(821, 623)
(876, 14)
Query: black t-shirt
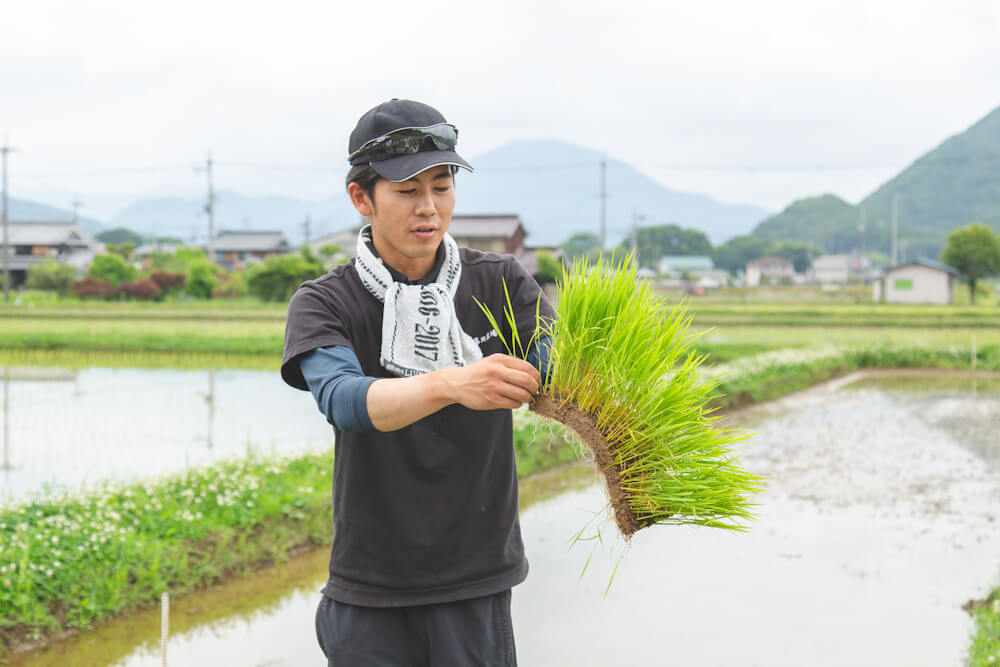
(427, 513)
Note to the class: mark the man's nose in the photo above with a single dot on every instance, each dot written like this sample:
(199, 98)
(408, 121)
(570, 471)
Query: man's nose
(425, 203)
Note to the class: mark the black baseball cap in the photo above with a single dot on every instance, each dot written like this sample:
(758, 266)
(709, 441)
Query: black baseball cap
(401, 138)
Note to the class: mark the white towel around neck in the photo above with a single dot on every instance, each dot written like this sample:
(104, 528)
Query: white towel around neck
(420, 330)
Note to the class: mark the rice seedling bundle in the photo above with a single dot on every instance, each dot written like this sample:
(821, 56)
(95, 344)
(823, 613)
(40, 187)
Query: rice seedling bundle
(622, 375)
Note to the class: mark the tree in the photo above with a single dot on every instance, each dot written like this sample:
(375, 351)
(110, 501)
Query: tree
(119, 235)
(799, 253)
(582, 244)
(550, 269)
(975, 251)
(655, 242)
(277, 278)
(734, 254)
(49, 275)
(200, 278)
(112, 268)
(123, 249)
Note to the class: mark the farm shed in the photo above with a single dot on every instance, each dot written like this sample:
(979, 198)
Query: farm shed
(919, 281)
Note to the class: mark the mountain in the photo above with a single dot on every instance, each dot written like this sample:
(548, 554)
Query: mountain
(555, 187)
(185, 218)
(24, 210)
(828, 221)
(951, 186)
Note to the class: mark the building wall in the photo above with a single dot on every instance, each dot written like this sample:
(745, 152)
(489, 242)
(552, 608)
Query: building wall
(918, 284)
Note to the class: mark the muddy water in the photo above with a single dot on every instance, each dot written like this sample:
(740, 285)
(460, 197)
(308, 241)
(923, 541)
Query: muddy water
(67, 428)
(879, 521)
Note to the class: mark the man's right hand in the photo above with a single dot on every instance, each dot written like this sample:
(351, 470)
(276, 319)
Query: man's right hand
(498, 381)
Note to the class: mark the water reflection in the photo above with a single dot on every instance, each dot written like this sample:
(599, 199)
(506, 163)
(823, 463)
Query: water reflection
(877, 524)
(64, 428)
(261, 619)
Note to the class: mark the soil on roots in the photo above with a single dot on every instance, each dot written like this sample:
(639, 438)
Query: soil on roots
(584, 425)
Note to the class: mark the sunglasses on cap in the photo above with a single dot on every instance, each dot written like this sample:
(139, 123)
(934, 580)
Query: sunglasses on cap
(406, 141)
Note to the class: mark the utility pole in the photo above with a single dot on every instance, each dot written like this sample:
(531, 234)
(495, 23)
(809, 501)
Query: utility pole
(305, 228)
(861, 258)
(210, 199)
(895, 229)
(604, 197)
(6, 234)
(76, 207)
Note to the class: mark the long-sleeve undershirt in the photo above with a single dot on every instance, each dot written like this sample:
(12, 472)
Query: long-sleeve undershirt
(340, 387)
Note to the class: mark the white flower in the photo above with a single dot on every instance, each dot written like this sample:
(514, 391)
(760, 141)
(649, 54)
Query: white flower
(6, 583)
(48, 573)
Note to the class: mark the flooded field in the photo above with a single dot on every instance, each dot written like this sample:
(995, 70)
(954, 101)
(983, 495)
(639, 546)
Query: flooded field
(879, 521)
(67, 428)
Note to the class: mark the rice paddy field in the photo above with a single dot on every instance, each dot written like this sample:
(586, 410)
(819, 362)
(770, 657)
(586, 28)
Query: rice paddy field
(764, 345)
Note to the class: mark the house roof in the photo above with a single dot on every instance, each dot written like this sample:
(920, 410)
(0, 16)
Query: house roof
(249, 241)
(46, 233)
(685, 262)
(928, 263)
(482, 226)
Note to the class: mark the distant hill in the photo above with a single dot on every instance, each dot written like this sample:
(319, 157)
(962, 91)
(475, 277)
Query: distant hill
(23, 210)
(555, 185)
(950, 186)
(828, 221)
(552, 185)
(185, 218)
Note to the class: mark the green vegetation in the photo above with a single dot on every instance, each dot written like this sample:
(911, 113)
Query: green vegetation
(975, 252)
(985, 649)
(112, 268)
(50, 275)
(946, 188)
(827, 220)
(778, 373)
(664, 459)
(655, 242)
(277, 278)
(72, 560)
(119, 235)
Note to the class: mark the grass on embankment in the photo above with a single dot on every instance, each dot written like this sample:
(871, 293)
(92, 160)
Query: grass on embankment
(985, 649)
(71, 561)
(775, 374)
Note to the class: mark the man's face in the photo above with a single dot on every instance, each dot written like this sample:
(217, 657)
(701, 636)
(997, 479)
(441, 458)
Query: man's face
(410, 218)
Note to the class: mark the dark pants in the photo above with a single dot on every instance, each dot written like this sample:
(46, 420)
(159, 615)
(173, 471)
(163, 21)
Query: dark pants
(466, 633)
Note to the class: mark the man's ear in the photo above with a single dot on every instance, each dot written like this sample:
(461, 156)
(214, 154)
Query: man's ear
(360, 199)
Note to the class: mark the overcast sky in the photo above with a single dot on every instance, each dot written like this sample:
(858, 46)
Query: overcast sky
(761, 102)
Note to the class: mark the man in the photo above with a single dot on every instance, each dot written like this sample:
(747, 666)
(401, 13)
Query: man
(405, 365)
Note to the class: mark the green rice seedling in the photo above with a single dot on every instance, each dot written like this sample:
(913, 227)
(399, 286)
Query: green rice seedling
(623, 376)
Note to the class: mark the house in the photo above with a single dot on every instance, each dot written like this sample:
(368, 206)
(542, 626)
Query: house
(919, 281)
(233, 250)
(769, 271)
(490, 233)
(32, 242)
(675, 266)
(832, 269)
(697, 269)
(840, 269)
